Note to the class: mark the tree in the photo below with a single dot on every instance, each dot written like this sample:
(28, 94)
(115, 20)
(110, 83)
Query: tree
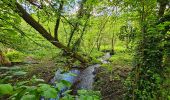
(148, 72)
(17, 8)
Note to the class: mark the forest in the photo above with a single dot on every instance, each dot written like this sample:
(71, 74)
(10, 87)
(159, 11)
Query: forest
(84, 49)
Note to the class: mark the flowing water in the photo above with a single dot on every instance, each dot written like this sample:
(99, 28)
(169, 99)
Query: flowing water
(85, 78)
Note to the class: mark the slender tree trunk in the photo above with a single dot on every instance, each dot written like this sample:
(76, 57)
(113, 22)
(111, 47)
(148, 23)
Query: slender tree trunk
(99, 38)
(76, 26)
(78, 41)
(113, 45)
(58, 21)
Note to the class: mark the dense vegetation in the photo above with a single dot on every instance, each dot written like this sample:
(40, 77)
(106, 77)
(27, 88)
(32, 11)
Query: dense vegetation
(38, 37)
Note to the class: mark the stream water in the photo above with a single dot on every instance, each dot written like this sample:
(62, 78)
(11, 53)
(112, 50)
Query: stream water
(85, 77)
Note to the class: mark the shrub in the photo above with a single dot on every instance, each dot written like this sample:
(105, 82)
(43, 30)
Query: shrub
(15, 56)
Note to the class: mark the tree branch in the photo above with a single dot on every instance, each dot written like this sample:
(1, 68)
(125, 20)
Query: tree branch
(35, 3)
(32, 22)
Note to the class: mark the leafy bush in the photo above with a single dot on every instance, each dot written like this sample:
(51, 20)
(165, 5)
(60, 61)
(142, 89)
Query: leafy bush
(9, 72)
(88, 95)
(15, 56)
(96, 54)
(121, 59)
(21, 91)
(5, 89)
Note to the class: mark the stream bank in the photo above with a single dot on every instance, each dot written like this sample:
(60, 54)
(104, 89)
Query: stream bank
(98, 78)
(109, 82)
(83, 80)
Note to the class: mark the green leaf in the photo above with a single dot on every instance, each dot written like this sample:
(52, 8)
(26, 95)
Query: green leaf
(47, 91)
(82, 91)
(66, 83)
(28, 97)
(50, 93)
(11, 31)
(43, 87)
(68, 97)
(72, 74)
(15, 68)
(4, 68)
(19, 73)
(20, 92)
(168, 97)
(22, 83)
(31, 89)
(60, 86)
(67, 92)
(6, 89)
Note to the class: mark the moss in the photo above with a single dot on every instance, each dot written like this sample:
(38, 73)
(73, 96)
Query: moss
(15, 56)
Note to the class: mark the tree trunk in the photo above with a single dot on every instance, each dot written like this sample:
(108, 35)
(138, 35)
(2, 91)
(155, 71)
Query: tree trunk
(76, 25)
(32, 22)
(58, 21)
(3, 60)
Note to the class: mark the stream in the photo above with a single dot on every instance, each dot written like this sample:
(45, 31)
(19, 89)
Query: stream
(85, 78)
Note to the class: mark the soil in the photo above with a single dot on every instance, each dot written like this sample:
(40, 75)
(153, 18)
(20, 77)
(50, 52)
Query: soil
(111, 83)
(44, 69)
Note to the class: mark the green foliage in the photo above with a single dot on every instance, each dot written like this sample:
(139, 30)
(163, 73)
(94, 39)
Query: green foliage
(28, 97)
(10, 72)
(47, 91)
(97, 54)
(98, 24)
(148, 72)
(15, 56)
(5, 89)
(121, 59)
(34, 88)
(24, 92)
(88, 95)
(95, 61)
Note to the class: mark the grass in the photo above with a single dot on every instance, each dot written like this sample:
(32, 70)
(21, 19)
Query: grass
(122, 57)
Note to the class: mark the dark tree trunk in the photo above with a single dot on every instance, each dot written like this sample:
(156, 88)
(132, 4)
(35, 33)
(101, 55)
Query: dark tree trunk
(58, 21)
(32, 22)
(76, 25)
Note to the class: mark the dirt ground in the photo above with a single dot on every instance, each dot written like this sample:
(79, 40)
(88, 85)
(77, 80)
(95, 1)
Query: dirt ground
(111, 83)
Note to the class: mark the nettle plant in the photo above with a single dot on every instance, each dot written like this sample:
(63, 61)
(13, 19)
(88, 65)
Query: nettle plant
(39, 89)
(45, 91)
